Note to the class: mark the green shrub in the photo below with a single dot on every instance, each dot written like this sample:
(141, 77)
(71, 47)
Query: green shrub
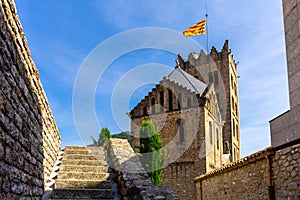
(150, 143)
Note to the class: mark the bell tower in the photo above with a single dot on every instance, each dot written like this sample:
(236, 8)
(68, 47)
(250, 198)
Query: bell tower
(220, 69)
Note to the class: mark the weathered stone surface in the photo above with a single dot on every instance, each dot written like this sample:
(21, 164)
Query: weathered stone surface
(133, 181)
(28, 133)
(250, 179)
(286, 181)
(82, 178)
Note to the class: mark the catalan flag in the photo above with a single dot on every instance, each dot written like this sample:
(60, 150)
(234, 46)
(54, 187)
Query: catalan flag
(196, 29)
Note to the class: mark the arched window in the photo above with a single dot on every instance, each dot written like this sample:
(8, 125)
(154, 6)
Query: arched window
(179, 100)
(180, 129)
(235, 89)
(210, 133)
(144, 111)
(218, 139)
(162, 101)
(232, 103)
(170, 94)
(152, 105)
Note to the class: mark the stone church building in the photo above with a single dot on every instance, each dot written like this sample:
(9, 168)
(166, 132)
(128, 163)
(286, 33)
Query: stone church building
(195, 108)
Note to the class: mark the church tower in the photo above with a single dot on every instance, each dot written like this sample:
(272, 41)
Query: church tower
(195, 108)
(220, 69)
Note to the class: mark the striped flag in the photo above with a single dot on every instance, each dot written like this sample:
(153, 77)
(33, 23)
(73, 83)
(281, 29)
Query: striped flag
(196, 29)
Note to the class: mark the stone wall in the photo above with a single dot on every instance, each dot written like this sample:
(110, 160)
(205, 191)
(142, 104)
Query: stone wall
(268, 174)
(180, 177)
(286, 172)
(29, 139)
(133, 181)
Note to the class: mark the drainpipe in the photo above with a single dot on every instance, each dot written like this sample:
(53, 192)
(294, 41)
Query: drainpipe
(270, 185)
(201, 192)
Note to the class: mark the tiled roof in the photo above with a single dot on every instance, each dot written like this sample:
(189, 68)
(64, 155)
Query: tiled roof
(186, 80)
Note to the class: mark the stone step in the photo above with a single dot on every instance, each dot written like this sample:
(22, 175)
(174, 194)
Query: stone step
(85, 152)
(83, 148)
(83, 157)
(83, 176)
(82, 194)
(84, 162)
(83, 184)
(82, 168)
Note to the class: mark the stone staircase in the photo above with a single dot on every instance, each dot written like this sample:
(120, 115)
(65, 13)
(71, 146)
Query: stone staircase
(83, 174)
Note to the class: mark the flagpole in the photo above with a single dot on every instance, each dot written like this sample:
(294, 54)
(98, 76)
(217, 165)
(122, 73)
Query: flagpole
(206, 16)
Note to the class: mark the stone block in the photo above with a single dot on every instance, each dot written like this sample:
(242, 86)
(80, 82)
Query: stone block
(292, 34)
(294, 84)
(290, 20)
(293, 49)
(294, 98)
(288, 7)
(293, 65)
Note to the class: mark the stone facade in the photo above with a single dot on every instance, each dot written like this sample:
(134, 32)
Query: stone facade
(286, 127)
(268, 174)
(286, 172)
(29, 139)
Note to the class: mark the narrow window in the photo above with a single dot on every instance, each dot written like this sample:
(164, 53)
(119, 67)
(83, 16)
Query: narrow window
(210, 133)
(189, 102)
(152, 105)
(232, 103)
(179, 100)
(170, 100)
(144, 111)
(162, 101)
(218, 139)
(235, 89)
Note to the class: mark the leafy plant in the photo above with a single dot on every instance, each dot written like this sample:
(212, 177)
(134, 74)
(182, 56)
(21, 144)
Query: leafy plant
(104, 137)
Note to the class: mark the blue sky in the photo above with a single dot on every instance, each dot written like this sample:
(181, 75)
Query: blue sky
(61, 34)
